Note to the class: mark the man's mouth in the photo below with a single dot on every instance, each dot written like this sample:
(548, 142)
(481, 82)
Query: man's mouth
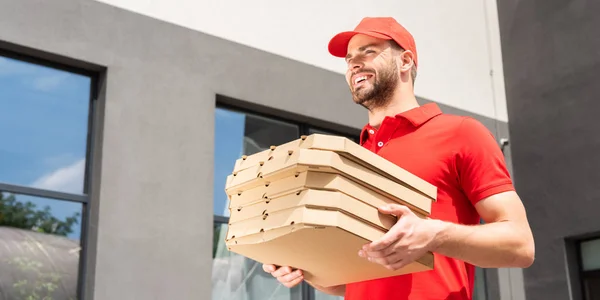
(360, 79)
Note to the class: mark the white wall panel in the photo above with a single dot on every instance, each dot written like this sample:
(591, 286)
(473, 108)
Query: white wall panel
(458, 41)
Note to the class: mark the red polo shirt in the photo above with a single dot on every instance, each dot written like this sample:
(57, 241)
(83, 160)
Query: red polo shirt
(462, 159)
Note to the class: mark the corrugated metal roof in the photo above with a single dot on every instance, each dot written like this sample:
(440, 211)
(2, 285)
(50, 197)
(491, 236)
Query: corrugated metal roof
(32, 262)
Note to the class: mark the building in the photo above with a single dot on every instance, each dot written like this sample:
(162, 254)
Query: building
(127, 116)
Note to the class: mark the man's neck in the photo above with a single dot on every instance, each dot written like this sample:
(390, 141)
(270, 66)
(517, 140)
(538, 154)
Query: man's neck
(396, 106)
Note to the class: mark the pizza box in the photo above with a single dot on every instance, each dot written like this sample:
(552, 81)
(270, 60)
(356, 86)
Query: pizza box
(322, 243)
(301, 160)
(349, 150)
(326, 200)
(317, 181)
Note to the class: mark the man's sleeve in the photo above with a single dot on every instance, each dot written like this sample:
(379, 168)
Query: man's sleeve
(480, 163)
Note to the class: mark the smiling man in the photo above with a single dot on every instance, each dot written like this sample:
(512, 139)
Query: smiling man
(456, 154)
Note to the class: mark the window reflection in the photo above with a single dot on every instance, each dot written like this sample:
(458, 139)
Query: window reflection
(235, 277)
(322, 296)
(479, 289)
(238, 134)
(43, 126)
(39, 247)
(589, 253)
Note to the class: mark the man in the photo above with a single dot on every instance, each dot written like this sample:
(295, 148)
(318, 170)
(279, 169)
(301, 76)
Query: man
(456, 154)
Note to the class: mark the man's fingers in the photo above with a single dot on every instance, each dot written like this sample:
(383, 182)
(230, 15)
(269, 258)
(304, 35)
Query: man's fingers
(269, 268)
(397, 265)
(285, 275)
(378, 254)
(386, 260)
(291, 284)
(282, 271)
(395, 209)
(387, 240)
(290, 277)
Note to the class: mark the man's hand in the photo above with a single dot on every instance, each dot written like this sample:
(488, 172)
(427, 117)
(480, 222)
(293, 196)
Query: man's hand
(285, 275)
(290, 278)
(409, 239)
(504, 241)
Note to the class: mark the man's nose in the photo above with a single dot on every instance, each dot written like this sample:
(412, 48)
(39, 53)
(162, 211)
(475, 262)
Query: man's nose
(355, 64)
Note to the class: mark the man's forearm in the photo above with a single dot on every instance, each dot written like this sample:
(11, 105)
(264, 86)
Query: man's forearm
(493, 245)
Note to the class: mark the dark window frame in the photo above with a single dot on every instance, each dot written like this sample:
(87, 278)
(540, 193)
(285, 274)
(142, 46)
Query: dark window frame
(34, 57)
(583, 274)
(303, 291)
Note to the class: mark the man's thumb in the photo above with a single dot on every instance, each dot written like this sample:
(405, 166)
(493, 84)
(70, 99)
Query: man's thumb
(395, 209)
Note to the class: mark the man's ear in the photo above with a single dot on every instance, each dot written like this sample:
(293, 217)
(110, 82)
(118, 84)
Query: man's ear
(406, 61)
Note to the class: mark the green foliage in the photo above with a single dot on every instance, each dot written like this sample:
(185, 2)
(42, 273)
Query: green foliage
(32, 279)
(40, 286)
(26, 215)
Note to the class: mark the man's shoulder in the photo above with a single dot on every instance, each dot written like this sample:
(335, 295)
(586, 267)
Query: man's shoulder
(459, 124)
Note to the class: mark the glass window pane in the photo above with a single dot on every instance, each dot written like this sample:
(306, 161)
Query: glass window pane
(238, 134)
(235, 277)
(312, 130)
(590, 255)
(479, 290)
(319, 131)
(44, 126)
(322, 296)
(39, 256)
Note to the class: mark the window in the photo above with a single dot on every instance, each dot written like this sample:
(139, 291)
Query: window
(43, 193)
(589, 266)
(479, 289)
(239, 133)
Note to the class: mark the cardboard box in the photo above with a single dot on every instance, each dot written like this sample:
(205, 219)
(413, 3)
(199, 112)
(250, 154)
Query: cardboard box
(312, 204)
(322, 243)
(351, 151)
(318, 199)
(340, 186)
(301, 160)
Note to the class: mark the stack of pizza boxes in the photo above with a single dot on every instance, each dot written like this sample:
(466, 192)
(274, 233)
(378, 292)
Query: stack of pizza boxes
(311, 204)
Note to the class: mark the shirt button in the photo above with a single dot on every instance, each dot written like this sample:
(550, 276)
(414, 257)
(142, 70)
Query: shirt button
(371, 131)
(380, 144)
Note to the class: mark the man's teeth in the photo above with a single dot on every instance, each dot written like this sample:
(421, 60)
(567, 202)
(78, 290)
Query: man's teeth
(359, 79)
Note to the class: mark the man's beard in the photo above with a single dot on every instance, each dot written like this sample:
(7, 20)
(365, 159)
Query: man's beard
(380, 94)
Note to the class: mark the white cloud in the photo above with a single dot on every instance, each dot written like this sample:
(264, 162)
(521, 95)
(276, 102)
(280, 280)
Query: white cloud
(68, 179)
(49, 82)
(40, 78)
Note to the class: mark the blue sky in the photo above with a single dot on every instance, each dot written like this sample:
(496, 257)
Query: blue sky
(43, 126)
(229, 139)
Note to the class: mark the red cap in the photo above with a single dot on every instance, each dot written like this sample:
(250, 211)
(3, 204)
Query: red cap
(383, 28)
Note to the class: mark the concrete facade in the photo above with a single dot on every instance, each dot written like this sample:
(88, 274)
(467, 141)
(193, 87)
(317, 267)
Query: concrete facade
(551, 60)
(150, 226)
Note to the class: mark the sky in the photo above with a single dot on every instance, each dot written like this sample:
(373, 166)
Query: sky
(43, 127)
(229, 139)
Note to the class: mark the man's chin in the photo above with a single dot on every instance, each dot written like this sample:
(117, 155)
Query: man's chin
(362, 101)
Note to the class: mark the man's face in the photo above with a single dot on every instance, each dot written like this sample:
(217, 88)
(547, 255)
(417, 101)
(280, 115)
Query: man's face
(372, 71)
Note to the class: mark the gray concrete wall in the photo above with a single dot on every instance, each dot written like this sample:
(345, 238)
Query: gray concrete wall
(151, 217)
(551, 63)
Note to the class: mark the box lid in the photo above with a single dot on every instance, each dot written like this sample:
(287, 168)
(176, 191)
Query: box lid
(348, 149)
(301, 160)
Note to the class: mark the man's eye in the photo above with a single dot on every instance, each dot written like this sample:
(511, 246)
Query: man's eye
(370, 51)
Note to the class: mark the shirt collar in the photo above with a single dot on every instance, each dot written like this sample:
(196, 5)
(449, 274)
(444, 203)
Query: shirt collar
(416, 116)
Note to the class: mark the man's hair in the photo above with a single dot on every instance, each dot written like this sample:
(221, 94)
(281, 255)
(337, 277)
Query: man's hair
(413, 71)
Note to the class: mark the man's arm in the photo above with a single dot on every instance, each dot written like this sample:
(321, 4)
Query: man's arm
(505, 241)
